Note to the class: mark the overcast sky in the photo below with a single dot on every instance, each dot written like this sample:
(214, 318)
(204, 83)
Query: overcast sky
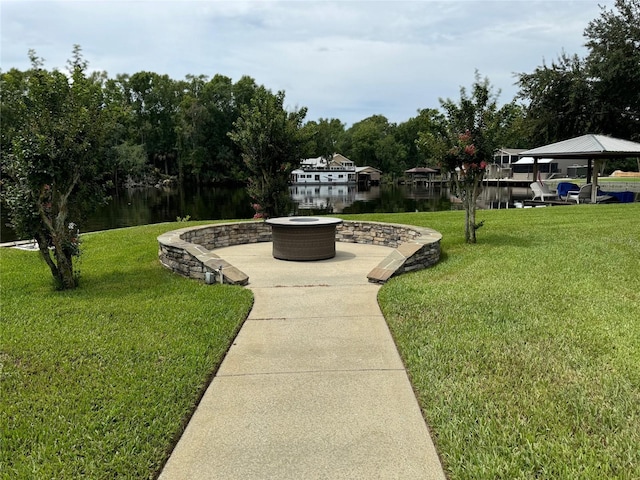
(341, 59)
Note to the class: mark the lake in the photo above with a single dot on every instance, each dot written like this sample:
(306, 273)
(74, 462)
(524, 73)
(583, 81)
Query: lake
(154, 205)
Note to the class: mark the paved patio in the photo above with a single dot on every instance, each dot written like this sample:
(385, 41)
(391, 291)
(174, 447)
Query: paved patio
(313, 387)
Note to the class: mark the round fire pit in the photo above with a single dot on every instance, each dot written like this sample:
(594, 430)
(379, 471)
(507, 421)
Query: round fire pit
(304, 238)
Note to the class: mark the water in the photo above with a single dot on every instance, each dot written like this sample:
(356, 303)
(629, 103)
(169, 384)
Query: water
(152, 205)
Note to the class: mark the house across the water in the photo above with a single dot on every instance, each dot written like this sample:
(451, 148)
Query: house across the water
(338, 170)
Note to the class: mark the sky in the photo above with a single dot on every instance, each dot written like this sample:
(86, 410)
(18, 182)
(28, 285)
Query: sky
(340, 59)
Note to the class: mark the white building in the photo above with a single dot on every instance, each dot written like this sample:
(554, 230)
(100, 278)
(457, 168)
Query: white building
(320, 171)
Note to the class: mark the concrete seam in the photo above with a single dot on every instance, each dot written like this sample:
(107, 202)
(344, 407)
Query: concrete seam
(300, 372)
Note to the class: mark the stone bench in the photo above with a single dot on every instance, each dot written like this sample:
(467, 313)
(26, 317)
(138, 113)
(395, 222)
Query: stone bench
(190, 251)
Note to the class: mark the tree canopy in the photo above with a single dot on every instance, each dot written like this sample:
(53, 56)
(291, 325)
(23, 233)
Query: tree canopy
(613, 65)
(271, 143)
(597, 94)
(322, 138)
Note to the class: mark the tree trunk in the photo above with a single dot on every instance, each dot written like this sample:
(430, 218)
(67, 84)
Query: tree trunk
(180, 169)
(58, 233)
(470, 208)
(43, 246)
(66, 278)
(465, 204)
(62, 268)
(471, 220)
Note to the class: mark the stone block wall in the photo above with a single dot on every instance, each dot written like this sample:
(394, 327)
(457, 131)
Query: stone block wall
(228, 234)
(415, 247)
(375, 233)
(189, 251)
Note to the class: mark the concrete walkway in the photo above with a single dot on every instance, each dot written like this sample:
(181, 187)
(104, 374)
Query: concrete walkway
(313, 387)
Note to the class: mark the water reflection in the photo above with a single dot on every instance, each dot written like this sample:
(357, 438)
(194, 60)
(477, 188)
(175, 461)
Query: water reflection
(142, 206)
(152, 205)
(492, 197)
(331, 198)
(145, 206)
(316, 199)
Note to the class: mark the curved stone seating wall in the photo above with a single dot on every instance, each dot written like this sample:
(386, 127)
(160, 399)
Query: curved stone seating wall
(189, 251)
(415, 247)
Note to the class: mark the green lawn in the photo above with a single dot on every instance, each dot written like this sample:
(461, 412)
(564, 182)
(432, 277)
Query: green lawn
(97, 383)
(524, 349)
(619, 179)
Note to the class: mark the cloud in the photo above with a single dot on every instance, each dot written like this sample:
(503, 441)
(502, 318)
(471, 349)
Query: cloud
(341, 59)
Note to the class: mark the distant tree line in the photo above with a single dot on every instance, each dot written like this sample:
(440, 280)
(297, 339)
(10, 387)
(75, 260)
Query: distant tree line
(156, 127)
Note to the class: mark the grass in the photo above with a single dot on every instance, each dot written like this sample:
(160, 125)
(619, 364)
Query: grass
(619, 179)
(98, 382)
(523, 349)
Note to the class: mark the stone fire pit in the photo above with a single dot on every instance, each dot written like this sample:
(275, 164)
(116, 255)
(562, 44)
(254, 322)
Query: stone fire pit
(304, 238)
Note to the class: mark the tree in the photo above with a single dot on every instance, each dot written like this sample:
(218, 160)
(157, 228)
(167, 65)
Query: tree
(203, 120)
(13, 85)
(52, 171)
(270, 140)
(191, 118)
(613, 63)
(598, 94)
(465, 141)
(408, 134)
(322, 138)
(126, 159)
(372, 142)
(224, 100)
(154, 101)
(560, 100)
(513, 131)
(432, 138)
(466, 166)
